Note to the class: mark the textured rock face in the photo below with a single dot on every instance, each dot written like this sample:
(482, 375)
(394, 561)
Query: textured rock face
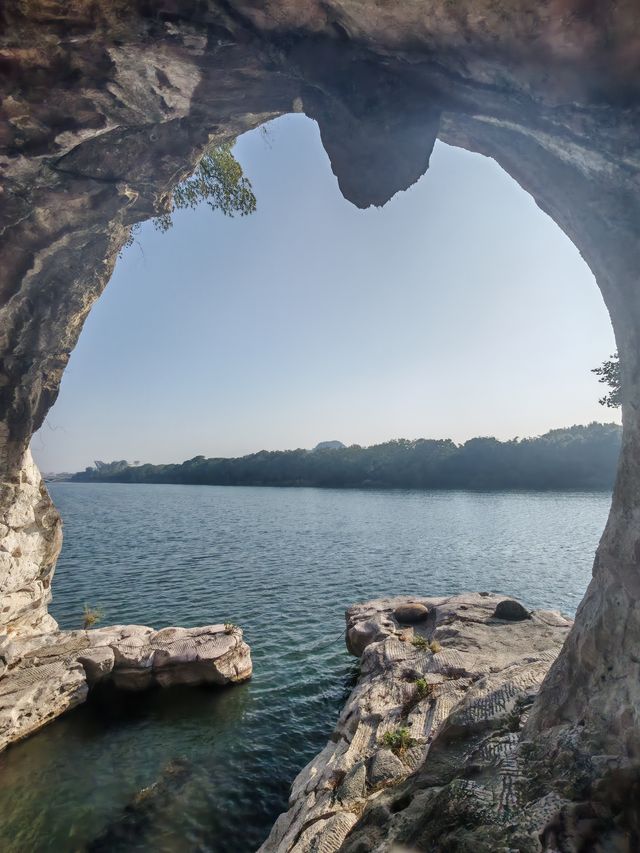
(460, 707)
(106, 105)
(43, 676)
(30, 540)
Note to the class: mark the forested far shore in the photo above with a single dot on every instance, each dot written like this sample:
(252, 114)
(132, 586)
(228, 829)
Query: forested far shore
(578, 457)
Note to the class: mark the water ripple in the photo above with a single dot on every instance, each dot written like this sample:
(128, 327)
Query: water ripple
(283, 563)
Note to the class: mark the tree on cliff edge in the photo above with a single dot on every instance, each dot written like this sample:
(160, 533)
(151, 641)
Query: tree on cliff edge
(219, 181)
(609, 373)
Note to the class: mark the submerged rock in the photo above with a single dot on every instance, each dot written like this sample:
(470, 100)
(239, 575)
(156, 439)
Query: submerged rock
(48, 674)
(438, 735)
(139, 817)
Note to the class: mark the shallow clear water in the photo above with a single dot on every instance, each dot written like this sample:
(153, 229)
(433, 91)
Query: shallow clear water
(284, 564)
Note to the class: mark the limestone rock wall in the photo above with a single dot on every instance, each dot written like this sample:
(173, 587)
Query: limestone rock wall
(30, 540)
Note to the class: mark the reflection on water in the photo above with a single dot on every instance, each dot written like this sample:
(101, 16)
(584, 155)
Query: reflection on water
(283, 563)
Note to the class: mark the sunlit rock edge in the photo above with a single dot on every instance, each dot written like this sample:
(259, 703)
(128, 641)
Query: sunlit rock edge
(457, 685)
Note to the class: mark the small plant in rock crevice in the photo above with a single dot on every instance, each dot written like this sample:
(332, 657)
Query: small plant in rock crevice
(420, 643)
(398, 740)
(230, 628)
(91, 616)
(422, 690)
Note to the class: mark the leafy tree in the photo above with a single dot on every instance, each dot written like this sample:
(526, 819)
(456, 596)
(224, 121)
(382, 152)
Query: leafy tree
(609, 374)
(219, 181)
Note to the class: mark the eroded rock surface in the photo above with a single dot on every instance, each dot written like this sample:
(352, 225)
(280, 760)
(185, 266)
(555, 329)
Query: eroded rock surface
(30, 540)
(455, 689)
(45, 675)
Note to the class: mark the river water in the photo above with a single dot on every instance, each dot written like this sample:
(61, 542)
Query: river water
(283, 564)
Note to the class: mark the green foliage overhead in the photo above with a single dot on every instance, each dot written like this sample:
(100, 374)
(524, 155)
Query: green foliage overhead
(580, 457)
(609, 373)
(219, 181)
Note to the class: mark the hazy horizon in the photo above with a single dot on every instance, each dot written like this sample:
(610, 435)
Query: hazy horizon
(457, 310)
(143, 461)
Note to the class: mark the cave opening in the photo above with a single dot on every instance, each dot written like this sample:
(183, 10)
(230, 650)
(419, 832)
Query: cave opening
(458, 300)
(189, 552)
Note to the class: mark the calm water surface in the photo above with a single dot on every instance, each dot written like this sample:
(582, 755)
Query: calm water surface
(284, 564)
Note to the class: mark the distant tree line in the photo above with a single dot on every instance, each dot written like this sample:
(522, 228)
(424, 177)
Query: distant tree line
(580, 457)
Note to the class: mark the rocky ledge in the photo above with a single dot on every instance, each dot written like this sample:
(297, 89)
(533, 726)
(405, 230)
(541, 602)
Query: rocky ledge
(43, 676)
(425, 754)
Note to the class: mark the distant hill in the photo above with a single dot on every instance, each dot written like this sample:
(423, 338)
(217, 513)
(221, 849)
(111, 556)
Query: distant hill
(579, 457)
(52, 477)
(330, 445)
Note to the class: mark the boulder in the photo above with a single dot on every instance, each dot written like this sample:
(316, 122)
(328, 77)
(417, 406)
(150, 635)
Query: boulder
(362, 634)
(97, 663)
(511, 610)
(352, 787)
(411, 613)
(385, 766)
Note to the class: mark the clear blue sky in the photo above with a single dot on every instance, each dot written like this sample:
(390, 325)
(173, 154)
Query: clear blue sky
(458, 309)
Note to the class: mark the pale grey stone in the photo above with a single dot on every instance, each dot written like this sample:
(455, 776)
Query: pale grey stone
(43, 676)
(353, 785)
(484, 670)
(384, 766)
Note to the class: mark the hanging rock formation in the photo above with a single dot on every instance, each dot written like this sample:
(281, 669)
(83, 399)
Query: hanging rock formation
(106, 104)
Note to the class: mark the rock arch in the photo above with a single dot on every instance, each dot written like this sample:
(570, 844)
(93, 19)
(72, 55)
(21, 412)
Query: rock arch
(106, 105)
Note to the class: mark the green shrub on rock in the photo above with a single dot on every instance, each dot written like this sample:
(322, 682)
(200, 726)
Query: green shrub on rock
(398, 740)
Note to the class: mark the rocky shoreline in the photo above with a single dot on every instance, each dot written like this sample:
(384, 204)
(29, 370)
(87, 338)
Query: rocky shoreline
(43, 676)
(428, 748)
